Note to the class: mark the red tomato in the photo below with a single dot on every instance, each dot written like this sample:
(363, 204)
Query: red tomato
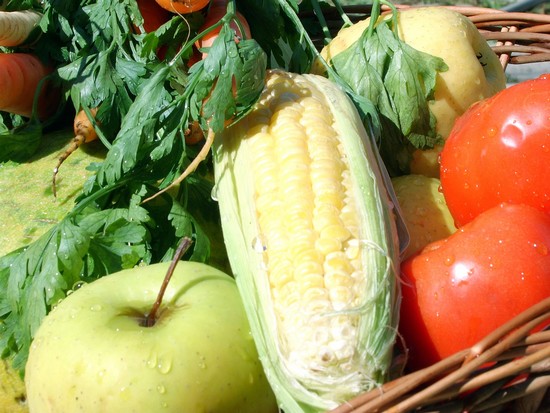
(215, 13)
(153, 15)
(457, 290)
(499, 151)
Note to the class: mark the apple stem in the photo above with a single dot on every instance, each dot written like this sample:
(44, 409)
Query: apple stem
(151, 318)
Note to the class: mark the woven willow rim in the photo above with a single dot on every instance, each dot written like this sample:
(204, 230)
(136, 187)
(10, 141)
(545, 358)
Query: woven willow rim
(510, 364)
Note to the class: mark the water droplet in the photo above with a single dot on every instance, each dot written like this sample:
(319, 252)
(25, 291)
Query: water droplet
(492, 131)
(79, 284)
(449, 260)
(258, 245)
(214, 193)
(96, 307)
(161, 389)
(152, 362)
(164, 366)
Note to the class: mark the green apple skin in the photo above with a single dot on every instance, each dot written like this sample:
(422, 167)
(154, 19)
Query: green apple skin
(90, 354)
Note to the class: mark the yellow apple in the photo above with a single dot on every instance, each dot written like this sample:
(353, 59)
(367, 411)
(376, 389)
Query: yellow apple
(474, 70)
(424, 210)
(93, 354)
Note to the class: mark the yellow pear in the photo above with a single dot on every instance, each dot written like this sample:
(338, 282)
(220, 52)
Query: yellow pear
(474, 70)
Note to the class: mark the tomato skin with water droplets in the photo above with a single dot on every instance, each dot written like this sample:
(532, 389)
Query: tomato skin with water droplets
(499, 151)
(457, 290)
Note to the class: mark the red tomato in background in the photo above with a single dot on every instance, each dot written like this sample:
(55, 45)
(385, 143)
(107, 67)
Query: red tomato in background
(457, 290)
(153, 15)
(499, 151)
(216, 11)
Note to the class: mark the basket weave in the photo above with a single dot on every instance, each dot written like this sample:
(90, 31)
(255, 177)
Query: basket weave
(509, 370)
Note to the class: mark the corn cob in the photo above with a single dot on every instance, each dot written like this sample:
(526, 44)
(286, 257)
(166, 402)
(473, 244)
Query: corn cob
(312, 242)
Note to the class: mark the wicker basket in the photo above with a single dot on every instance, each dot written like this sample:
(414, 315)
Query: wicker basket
(509, 370)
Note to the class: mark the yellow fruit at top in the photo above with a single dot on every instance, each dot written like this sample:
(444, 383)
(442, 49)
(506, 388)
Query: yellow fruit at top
(474, 70)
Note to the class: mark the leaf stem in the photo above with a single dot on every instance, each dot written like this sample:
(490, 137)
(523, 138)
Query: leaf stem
(151, 318)
(291, 14)
(85, 201)
(201, 156)
(343, 15)
(322, 20)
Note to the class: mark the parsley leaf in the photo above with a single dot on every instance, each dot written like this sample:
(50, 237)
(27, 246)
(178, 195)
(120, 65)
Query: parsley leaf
(400, 81)
(228, 63)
